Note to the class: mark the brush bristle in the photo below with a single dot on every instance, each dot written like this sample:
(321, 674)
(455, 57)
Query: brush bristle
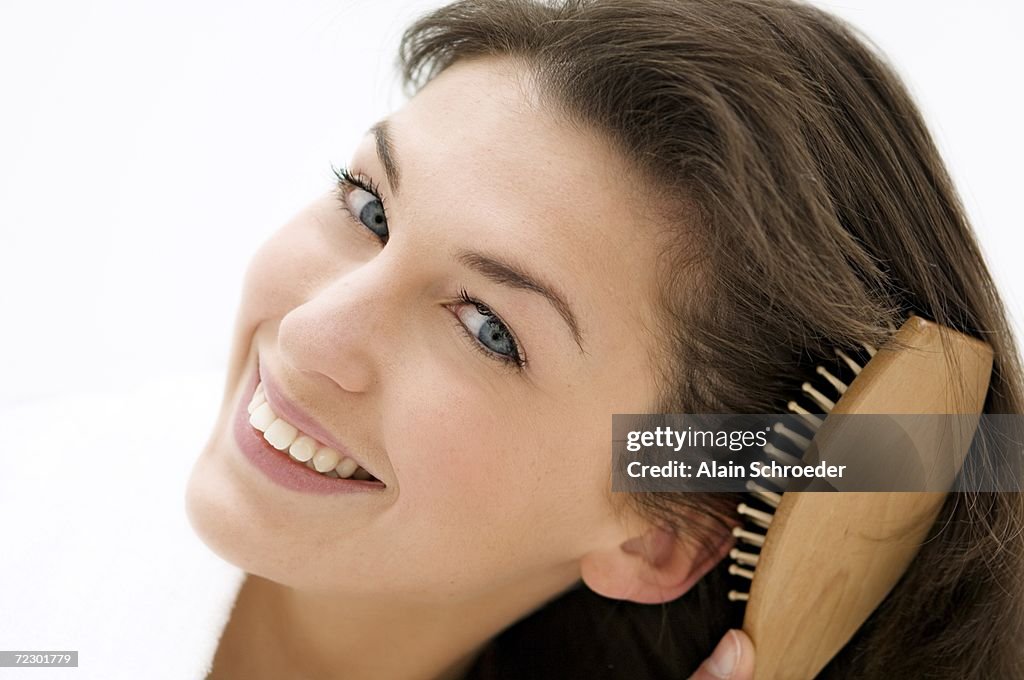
(819, 395)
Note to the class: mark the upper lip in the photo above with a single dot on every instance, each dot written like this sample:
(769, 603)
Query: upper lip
(286, 409)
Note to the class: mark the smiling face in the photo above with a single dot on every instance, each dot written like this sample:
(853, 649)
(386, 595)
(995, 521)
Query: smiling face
(494, 476)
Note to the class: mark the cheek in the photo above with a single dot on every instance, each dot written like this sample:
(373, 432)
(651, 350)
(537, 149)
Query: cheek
(493, 479)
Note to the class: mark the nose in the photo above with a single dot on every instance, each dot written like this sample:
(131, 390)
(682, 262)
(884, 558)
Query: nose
(342, 331)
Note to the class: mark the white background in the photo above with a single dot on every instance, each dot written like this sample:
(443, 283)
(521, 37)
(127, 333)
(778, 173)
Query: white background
(146, 149)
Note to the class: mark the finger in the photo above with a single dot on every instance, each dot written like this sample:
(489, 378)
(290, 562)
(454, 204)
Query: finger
(733, 659)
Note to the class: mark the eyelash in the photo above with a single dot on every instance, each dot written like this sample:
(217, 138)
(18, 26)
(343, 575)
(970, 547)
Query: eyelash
(346, 181)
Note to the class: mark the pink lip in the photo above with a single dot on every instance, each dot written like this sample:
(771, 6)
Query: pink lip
(278, 465)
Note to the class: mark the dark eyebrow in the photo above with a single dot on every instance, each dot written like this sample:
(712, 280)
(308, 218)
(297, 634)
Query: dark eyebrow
(508, 274)
(386, 152)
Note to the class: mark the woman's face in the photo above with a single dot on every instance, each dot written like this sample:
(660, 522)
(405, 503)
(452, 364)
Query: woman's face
(492, 476)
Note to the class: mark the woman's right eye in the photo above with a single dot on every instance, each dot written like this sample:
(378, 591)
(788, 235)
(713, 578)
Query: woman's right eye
(360, 199)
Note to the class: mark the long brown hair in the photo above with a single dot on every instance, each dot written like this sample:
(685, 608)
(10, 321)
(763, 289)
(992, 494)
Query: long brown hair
(813, 210)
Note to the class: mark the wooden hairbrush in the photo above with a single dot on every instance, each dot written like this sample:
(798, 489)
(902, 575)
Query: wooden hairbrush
(820, 563)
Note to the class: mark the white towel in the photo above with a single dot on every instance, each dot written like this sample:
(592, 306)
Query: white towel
(97, 554)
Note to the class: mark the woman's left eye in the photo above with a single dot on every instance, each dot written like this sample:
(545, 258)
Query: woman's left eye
(491, 334)
(360, 198)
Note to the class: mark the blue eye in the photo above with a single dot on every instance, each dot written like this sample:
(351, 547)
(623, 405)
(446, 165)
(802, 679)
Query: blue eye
(361, 199)
(490, 333)
(369, 210)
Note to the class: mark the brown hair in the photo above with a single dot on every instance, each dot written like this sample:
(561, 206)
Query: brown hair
(805, 180)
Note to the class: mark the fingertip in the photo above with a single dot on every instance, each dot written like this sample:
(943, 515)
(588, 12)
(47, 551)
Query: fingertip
(744, 669)
(732, 659)
(724, 660)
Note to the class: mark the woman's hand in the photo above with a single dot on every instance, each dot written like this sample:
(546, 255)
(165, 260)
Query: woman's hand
(733, 659)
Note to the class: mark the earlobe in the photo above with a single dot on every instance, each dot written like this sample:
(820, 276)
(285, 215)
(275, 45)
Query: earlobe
(651, 568)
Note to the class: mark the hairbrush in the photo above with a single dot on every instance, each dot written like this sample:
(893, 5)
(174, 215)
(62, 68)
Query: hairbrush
(819, 564)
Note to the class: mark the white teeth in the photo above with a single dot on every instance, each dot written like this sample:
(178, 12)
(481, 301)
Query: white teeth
(262, 417)
(281, 434)
(258, 398)
(346, 467)
(325, 459)
(303, 448)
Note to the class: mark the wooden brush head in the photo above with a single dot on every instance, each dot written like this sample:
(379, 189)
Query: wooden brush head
(829, 559)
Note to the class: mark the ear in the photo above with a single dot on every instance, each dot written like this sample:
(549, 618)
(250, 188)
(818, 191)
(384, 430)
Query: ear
(652, 567)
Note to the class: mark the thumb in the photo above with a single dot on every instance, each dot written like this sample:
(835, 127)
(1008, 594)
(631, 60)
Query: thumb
(733, 659)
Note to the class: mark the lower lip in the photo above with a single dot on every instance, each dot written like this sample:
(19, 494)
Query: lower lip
(281, 468)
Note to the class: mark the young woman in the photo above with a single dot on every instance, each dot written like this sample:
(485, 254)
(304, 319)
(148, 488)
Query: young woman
(586, 208)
